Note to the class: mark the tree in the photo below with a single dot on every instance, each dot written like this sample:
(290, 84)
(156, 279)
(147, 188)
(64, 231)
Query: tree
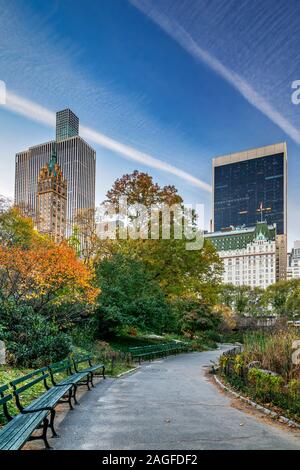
(178, 270)
(227, 315)
(45, 276)
(31, 340)
(139, 188)
(242, 300)
(129, 297)
(16, 229)
(196, 316)
(283, 298)
(86, 233)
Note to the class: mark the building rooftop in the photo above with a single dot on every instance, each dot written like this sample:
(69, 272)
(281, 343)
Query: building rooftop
(236, 238)
(250, 154)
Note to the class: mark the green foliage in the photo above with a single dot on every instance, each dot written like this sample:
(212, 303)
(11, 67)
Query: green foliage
(179, 271)
(284, 298)
(195, 316)
(281, 299)
(275, 379)
(273, 350)
(85, 333)
(31, 340)
(243, 300)
(74, 241)
(16, 230)
(129, 297)
(9, 374)
(266, 386)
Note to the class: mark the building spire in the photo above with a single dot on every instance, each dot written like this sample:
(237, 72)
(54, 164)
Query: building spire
(53, 159)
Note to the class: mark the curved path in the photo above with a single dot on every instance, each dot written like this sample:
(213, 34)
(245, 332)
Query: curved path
(167, 404)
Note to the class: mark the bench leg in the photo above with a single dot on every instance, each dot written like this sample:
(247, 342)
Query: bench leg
(103, 372)
(70, 399)
(73, 391)
(91, 379)
(44, 435)
(52, 416)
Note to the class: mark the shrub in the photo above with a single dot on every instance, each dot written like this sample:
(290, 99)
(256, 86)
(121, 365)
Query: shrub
(129, 297)
(31, 341)
(273, 350)
(84, 334)
(196, 317)
(294, 389)
(267, 386)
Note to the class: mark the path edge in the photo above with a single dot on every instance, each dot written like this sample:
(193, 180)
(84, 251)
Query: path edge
(252, 403)
(129, 371)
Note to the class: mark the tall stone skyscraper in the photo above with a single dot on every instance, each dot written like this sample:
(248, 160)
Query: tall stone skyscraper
(52, 200)
(77, 160)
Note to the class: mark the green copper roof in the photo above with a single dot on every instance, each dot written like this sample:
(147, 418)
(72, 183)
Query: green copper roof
(53, 160)
(239, 238)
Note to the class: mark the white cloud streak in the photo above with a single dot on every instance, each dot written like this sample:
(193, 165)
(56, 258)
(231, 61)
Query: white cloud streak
(43, 115)
(186, 41)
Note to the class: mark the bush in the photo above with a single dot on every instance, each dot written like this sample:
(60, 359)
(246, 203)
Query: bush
(31, 340)
(129, 297)
(267, 386)
(196, 317)
(85, 333)
(273, 350)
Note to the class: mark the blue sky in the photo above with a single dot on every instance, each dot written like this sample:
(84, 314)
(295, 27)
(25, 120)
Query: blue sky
(170, 83)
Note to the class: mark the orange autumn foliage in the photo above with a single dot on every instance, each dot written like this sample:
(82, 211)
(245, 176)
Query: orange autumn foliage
(45, 273)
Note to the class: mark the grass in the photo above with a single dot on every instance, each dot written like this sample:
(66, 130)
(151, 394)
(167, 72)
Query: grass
(7, 374)
(273, 350)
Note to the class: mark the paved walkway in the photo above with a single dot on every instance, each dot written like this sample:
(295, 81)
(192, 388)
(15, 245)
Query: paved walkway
(167, 404)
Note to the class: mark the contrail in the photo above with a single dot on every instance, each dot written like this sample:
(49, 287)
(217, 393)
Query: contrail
(38, 113)
(185, 40)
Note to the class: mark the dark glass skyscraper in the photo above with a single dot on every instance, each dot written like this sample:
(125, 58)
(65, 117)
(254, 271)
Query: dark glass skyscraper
(251, 185)
(67, 125)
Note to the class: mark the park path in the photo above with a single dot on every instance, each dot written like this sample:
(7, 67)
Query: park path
(167, 404)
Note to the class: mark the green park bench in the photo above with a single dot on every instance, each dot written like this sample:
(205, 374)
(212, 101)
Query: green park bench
(19, 428)
(157, 350)
(64, 377)
(89, 367)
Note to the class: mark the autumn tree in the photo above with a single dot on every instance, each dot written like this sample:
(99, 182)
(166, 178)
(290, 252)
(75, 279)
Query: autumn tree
(37, 272)
(139, 188)
(44, 276)
(181, 273)
(16, 229)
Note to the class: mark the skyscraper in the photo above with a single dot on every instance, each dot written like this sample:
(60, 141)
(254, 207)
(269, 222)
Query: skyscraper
(67, 125)
(77, 160)
(245, 183)
(250, 186)
(293, 269)
(52, 200)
